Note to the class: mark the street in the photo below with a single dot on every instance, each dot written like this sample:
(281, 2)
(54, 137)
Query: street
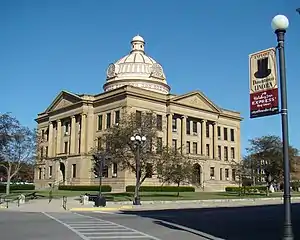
(234, 223)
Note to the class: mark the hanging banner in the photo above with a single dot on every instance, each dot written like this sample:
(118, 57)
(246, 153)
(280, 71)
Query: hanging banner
(263, 83)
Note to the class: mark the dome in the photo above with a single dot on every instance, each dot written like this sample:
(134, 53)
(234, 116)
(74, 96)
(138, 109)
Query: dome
(136, 69)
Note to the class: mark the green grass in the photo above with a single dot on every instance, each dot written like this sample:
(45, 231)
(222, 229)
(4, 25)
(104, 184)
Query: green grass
(154, 196)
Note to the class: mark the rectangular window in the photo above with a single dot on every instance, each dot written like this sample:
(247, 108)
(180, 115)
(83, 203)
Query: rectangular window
(138, 118)
(227, 173)
(99, 143)
(188, 127)
(149, 170)
(114, 170)
(233, 174)
(40, 173)
(232, 153)
(159, 145)
(174, 124)
(221, 173)
(226, 153)
(219, 132)
(108, 120)
(225, 134)
(188, 147)
(195, 148)
(50, 171)
(232, 135)
(74, 170)
(174, 144)
(159, 122)
(46, 152)
(195, 127)
(65, 147)
(219, 152)
(67, 127)
(117, 117)
(42, 152)
(207, 150)
(100, 122)
(212, 172)
(207, 129)
(43, 135)
(105, 171)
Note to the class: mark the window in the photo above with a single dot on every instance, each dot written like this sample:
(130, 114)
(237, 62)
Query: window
(65, 147)
(67, 126)
(159, 122)
(207, 129)
(212, 172)
(225, 134)
(207, 150)
(219, 132)
(174, 124)
(219, 152)
(232, 153)
(40, 173)
(195, 148)
(188, 147)
(233, 174)
(100, 120)
(108, 120)
(46, 151)
(50, 171)
(232, 135)
(221, 173)
(42, 152)
(159, 145)
(74, 170)
(174, 144)
(138, 118)
(117, 117)
(114, 170)
(188, 127)
(99, 143)
(43, 135)
(227, 173)
(105, 171)
(226, 153)
(195, 127)
(149, 170)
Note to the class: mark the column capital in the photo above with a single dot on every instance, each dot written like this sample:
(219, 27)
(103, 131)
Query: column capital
(214, 123)
(184, 116)
(72, 117)
(50, 123)
(203, 120)
(83, 114)
(58, 120)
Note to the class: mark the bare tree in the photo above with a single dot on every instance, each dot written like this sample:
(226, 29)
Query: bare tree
(17, 146)
(173, 167)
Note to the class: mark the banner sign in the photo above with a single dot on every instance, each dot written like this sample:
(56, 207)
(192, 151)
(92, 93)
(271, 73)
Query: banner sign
(263, 83)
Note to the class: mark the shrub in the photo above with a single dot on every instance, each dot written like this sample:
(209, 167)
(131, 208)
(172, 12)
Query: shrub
(87, 188)
(131, 188)
(295, 185)
(247, 189)
(17, 187)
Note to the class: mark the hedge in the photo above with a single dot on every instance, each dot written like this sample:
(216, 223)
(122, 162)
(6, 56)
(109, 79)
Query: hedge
(17, 187)
(104, 188)
(131, 188)
(247, 189)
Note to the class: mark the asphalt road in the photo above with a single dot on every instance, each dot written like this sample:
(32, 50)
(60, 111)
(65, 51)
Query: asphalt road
(234, 223)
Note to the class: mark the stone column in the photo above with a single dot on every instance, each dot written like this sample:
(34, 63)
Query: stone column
(50, 140)
(215, 140)
(199, 137)
(203, 137)
(73, 135)
(211, 138)
(83, 133)
(169, 130)
(58, 137)
(183, 134)
(191, 128)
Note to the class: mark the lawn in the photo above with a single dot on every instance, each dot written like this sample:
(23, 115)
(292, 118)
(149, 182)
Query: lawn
(154, 196)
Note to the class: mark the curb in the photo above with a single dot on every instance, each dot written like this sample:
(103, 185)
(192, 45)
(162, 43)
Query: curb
(102, 209)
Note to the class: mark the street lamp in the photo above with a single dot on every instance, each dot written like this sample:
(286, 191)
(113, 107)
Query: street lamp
(137, 140)
(279, 24)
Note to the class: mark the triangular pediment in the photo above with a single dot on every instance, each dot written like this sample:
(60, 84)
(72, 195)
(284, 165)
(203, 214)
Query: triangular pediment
(197, 100)
(63, 99)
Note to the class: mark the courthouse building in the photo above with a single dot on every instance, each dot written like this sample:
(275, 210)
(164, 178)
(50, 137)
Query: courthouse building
(73, 124)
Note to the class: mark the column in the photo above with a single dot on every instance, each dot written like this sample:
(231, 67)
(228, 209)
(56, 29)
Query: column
(199, 134)
(50, 140)
(215, 140)
(58, 137)
(73, 135)
(169, 130)
(183, 134)
(203, 137)
(83, 133)
(191, 128)
(211, 142)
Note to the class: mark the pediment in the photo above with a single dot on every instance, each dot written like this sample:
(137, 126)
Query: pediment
(63, 99)
(196, 100)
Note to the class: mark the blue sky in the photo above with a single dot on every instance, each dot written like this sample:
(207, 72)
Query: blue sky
(50, 45)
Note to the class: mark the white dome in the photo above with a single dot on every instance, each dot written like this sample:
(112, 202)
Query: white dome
(136, 69)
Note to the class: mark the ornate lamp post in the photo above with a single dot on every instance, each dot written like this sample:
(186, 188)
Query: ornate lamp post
(137, 140)
(280, 23)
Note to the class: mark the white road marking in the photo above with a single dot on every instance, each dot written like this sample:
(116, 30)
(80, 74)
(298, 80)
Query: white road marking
(89, 228)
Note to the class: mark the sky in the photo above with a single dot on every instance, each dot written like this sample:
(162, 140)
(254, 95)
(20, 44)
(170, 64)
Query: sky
(53, 45)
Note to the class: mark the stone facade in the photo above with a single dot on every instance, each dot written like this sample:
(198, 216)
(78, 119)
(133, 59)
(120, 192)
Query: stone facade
(71, 126)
